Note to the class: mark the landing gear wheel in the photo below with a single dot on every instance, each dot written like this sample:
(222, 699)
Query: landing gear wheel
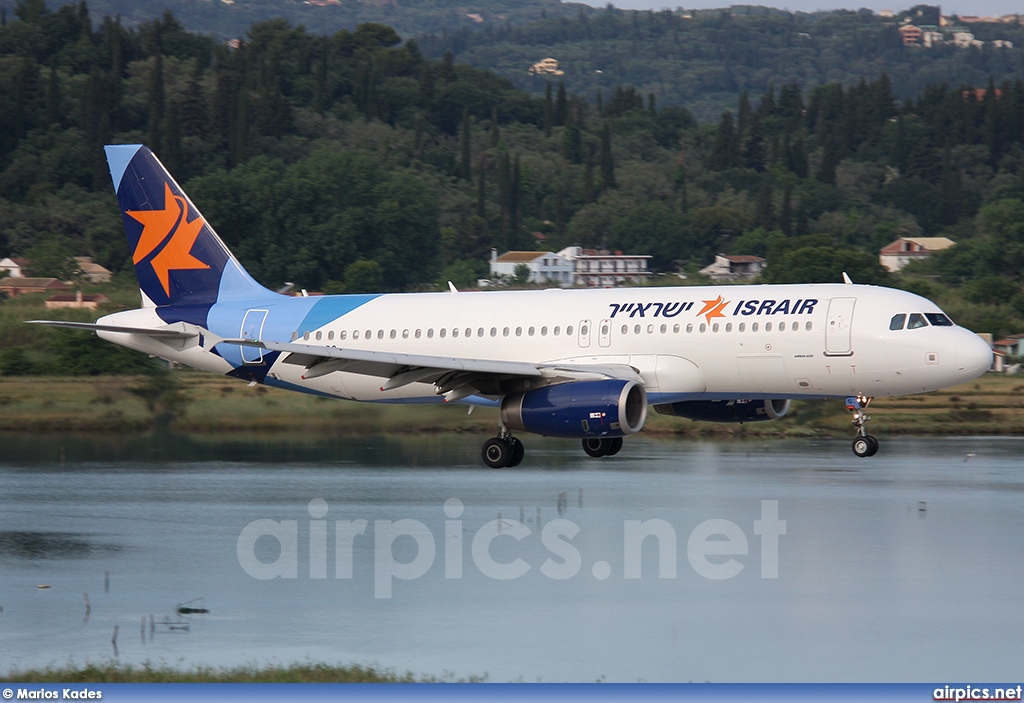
(595, 447)
(518, 452)
(615, 446)
(497, 453)
(865, 446)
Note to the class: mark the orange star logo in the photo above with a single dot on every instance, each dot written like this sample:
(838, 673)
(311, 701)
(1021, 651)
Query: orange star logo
(170, 227)
(713, 308)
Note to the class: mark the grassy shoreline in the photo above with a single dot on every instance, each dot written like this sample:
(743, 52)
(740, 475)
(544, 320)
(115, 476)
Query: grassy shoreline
(306, 672)
(197, 403)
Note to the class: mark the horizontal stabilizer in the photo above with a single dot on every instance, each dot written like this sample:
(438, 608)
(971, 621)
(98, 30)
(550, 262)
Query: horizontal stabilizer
(171, 332)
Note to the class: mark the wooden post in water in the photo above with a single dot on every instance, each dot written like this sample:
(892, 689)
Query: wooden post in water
(113, 640)
(142, 629)
(152, 626)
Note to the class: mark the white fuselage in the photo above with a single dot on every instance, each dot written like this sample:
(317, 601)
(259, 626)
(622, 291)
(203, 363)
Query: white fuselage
(686, 343)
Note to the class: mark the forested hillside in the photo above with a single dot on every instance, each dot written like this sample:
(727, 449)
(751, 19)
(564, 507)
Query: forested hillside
(704, 59)
(353, 163)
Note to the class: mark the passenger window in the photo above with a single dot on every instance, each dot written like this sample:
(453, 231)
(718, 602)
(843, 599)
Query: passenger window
(714, 327)
(689, 329)
(405, 334)
(494, 331)
(703, 328)
(556, 331)
(519, 331)
(394, 334)
(728, 327)
(343, 335)
(504, 332)
(305, 336)
(808, 326)
(782, 327)
(417, 334)
(568, 330)
(330, 334)
(675, 329)
(650, 329)
(380, 334)
(916, 320)
(295, 335)
(896, 323)
(430, 333)
(530, 331)
(355, 334)
(663, 329)
(319, 335)
(743, 327)
(753, 327)
(636, 329)
(625, 329)
(455, 332)
(442, 332)
(767, 327)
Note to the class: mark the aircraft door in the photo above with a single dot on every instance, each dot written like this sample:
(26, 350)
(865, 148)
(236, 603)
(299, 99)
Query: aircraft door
(252, 328)
(839, 327)
(584, 334)
(604, 332)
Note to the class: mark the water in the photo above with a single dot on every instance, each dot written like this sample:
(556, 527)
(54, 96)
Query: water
(905, 567)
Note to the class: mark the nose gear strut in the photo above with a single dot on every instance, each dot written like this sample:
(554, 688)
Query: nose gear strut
(864, 444)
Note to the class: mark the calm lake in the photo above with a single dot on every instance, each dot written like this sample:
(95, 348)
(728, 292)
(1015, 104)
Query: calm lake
(673, 561)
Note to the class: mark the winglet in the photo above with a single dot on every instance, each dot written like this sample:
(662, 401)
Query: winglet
(846, 279)
(452, 288)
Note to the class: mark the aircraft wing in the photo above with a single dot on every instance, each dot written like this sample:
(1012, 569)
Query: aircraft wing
(453, 377)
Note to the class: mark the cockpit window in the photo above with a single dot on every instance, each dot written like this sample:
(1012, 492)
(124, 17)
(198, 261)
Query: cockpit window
(916, 320)
(938, 319)
(896, 323)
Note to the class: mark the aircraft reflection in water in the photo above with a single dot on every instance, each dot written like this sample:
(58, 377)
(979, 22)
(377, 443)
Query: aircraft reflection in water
(585, 364)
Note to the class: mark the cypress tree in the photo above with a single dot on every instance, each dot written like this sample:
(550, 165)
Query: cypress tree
(465, 170)
(607, 159)
(561, 106)
(549, 111)
(723, 152)
(155, 104)
(786, 215)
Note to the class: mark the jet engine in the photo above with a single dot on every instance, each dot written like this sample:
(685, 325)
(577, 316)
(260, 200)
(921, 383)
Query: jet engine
(727, 410)
(607, 408)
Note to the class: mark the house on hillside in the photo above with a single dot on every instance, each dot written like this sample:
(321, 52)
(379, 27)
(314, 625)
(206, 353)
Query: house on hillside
(544, 266)
(895, 255)
(729, 268)
(77, 300)
(16, 287)
(599, 268)
(94, 273)
(15, 268)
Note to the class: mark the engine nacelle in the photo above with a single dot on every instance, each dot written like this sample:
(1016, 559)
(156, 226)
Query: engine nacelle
(727, 410)
(579, 409)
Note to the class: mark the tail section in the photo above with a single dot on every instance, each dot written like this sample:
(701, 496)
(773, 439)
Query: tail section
(179, 259)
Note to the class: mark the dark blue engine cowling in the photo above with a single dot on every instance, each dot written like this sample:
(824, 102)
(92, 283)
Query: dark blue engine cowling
(578, 409)
(727, 410)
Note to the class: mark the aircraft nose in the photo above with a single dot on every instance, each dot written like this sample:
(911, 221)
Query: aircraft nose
(973, 356)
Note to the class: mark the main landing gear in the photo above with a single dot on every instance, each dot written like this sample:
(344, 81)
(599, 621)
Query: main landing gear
(864, 444)
(503, 451)
(602, 446)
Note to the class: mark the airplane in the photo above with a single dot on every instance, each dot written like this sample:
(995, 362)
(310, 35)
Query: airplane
(586, 364)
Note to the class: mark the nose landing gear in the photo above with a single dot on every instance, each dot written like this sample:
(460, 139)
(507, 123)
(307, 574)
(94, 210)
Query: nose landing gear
(864, 444)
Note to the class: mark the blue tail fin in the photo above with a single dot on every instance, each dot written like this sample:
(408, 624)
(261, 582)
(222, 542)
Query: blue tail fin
(178, 258)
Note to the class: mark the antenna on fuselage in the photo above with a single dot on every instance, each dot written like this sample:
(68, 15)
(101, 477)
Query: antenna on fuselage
(846, 279)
